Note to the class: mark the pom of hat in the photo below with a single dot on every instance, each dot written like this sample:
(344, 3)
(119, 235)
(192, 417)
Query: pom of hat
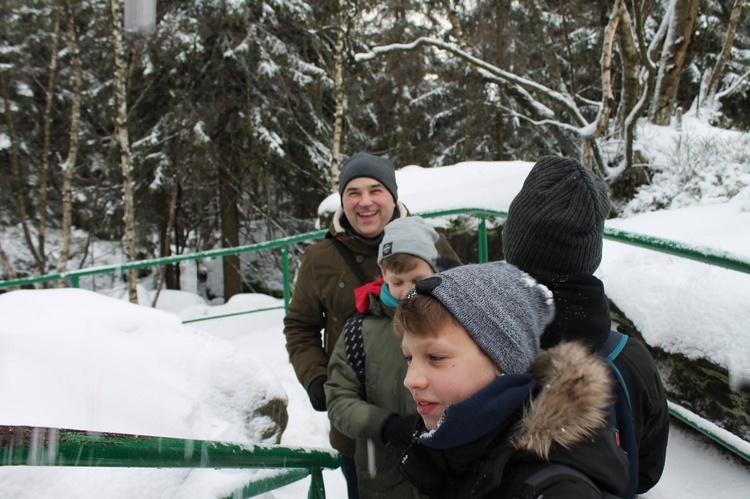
(364, 164)
(503, 309)
(410, 235)
(556, 222)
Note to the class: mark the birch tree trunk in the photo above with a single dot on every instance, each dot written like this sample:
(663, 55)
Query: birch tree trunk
(47, 134)
(75, 126)
(338, 123)
(124, 143)
(679, 33)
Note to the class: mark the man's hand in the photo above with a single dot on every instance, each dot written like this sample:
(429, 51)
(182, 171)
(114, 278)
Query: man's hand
(317, 394)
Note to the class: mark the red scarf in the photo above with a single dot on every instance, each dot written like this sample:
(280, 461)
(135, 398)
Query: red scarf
(362, 295)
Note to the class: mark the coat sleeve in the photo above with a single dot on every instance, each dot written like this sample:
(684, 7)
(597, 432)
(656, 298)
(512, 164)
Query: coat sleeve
(303, 326)
(348, 409)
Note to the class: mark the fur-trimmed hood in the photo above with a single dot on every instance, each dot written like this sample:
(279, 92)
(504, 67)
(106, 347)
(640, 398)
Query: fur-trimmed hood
(575, 393)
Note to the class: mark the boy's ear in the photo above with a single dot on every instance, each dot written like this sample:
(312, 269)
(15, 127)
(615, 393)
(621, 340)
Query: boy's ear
(382, 270)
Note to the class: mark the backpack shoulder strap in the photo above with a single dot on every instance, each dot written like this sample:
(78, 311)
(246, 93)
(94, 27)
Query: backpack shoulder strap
(538, 481)
(354, 346)
(611, 348)
(621, 413)
(346, 253)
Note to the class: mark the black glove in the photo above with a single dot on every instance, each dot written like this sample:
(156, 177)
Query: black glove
(317, 394)
(397, 430)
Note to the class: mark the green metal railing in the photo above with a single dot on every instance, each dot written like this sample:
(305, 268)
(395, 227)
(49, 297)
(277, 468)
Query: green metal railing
(36, 446)
(222, 454)
(706, 255)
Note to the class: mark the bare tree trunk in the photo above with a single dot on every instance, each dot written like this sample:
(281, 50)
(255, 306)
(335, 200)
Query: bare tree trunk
(338, 122)
(124, 142)
(715, 76)
(9, 272)
(75, 126)
(682, 15)
(16, 175)
(229, 193)
(47, 127)
(165, 243)
(547, 46)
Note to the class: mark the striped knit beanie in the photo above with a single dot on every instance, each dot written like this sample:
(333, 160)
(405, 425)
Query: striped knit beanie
(503, 309)
(556, 222)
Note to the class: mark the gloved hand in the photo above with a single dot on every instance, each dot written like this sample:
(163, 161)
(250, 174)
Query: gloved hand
(317, 394)
(397, 430)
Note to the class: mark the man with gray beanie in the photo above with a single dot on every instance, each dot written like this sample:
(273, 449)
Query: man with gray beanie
(332, 269)
(497, 413)
(554, 231)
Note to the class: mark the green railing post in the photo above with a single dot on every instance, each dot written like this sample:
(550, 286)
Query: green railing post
(285, 277)
(317, 486)
(75, 281)
(482, 242)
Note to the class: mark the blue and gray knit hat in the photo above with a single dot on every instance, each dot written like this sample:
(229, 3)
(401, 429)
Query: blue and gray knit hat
(502, 308)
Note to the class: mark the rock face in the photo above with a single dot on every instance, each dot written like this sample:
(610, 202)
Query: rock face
(697, 385)
(270, 420)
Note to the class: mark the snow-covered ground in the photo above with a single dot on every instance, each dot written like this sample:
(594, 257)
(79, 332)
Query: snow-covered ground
(80, 359)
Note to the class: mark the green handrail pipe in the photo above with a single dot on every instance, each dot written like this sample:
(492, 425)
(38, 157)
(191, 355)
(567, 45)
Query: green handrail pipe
(683, 415)
(718, 258)
(703, 254)
(43, 446)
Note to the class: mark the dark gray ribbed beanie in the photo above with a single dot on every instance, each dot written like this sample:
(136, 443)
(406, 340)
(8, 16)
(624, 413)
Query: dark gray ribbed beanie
(556, 222)
(365, 164)
(502, 308)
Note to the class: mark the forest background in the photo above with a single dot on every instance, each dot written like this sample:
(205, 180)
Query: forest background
(226, 121)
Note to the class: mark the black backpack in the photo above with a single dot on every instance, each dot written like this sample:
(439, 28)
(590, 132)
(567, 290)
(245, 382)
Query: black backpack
(536, 483)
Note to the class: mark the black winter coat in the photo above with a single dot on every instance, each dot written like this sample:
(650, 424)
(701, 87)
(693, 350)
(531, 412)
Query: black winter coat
(485, 445)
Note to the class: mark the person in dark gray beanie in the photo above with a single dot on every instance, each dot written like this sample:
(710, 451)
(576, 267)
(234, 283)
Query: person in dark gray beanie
(494, 408)
(555, 223)
(365, 164)
(554, 231)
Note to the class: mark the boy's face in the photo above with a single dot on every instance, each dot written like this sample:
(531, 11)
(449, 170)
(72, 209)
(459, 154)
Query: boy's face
(444, 369)
(368, 206)
(399, 283)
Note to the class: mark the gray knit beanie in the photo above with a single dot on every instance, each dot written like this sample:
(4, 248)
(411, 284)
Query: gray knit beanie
(410, 235)
(556, 222)
(502, 308)
(364, 164)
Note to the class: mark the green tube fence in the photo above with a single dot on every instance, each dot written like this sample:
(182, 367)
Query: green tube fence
(706, 255)
(41, 446)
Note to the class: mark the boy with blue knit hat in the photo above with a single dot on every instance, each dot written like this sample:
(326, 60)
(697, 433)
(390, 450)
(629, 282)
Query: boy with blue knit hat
(366, 397)
(555, 231)
(498, 414)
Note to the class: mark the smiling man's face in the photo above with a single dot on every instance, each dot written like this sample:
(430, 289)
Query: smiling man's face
(368, 206)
